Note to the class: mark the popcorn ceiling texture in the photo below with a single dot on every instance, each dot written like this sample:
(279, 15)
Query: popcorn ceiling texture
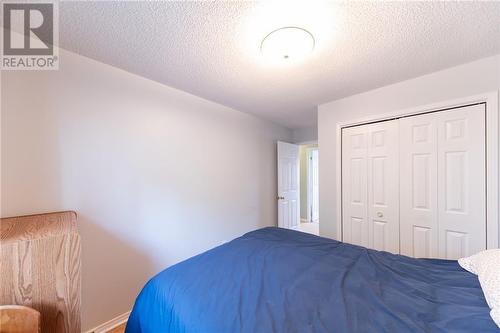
(210, 49)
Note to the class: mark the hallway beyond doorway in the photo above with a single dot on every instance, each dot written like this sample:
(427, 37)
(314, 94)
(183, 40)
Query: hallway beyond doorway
(309, 227)
(309, 190)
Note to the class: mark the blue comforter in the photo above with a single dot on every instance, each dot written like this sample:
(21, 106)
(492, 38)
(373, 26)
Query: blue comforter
(278, 280)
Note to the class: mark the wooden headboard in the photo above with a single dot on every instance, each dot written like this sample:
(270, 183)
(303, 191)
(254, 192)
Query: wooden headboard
(40, 256)
(19, 228)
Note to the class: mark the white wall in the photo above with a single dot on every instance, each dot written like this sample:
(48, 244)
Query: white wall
(155, 174)
(461, 81)
(305, 134)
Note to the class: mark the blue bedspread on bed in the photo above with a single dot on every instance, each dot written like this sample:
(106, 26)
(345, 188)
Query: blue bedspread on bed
(278, 280)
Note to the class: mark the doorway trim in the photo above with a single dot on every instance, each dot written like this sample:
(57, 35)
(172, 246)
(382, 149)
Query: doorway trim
(492, 154)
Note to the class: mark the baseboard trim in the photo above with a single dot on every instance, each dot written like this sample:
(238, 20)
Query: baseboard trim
(109, 325)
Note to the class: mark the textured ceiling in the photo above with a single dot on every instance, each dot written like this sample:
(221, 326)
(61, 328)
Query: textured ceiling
(211, 49)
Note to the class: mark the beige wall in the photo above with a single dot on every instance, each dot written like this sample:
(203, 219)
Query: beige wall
(466, 80)
(155, 174)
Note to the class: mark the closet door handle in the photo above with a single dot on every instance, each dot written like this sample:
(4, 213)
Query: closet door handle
(379, 214)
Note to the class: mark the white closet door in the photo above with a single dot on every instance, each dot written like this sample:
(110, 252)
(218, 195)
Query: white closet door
(354, 186)
(418, 186)
(461, 181)
(383, 186)
(370, 186)
(442, 176)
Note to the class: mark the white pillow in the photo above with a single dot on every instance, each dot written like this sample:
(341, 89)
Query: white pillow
(486, 265)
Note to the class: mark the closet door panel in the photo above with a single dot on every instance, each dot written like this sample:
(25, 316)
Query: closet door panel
(354, 186)
(461, 181)
(383, 186)
(418, 186)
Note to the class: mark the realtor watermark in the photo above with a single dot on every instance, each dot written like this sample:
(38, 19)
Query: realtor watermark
(30, 35)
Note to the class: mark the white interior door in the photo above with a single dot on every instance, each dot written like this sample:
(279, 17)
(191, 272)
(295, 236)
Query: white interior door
(370, 186)
(461, 181)
(419, 186)
(313, 182)
(383, 186)
(288, 185)
(443, 192)
(355, 186)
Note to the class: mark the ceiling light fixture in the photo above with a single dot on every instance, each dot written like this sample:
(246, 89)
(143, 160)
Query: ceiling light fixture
(287, 44)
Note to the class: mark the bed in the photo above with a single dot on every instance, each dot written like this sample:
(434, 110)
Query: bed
(279, 280)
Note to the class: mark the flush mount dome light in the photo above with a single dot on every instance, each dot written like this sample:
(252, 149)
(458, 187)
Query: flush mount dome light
(288, 43)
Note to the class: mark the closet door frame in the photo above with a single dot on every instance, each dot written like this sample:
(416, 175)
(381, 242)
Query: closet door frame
(490, 99)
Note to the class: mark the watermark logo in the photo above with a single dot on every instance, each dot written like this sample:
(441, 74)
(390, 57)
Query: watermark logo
(30, 36)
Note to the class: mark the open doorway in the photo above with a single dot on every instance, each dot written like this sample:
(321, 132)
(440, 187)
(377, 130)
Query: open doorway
(309, 188)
